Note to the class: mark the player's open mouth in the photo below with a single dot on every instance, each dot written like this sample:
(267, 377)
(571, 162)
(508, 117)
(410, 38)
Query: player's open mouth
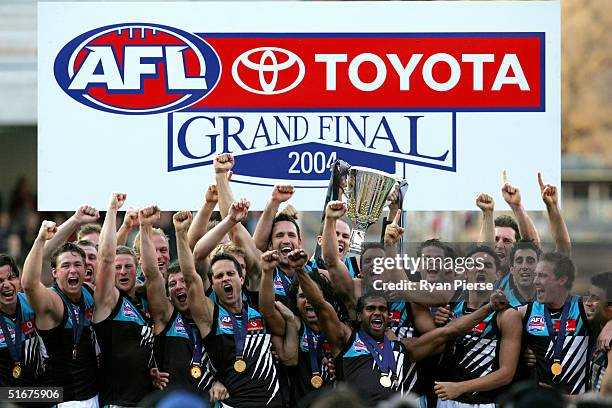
(161, 265)
(500, 254)
(285, 250)
(8, 293)
(88, 272)
(480, 278)
(376, 324)
(181, 297)
(340, 248)
(228, 289)
(310, 312)
(73, 281)
(124, 281)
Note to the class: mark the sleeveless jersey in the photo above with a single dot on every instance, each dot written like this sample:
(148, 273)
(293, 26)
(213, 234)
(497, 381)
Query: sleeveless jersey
(77, 376)
(173, 350)
(31, 359)
(515, 299)
(351, 264)
(258, 385)
(473, 355)
(126, 340)
(302, 373)
(402, 324)
(356, 366)
(575, 355)
(282, 282)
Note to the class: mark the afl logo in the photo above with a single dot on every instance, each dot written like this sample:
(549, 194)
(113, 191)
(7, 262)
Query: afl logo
(137, 68)
(268, 70)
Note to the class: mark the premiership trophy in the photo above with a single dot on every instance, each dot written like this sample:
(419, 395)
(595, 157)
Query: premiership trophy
(366, 191)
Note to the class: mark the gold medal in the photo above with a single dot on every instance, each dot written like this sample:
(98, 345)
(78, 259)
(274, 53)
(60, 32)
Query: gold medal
(74, 353)
(240, 365)
(196, 371)
(556, 368)
(17, 371)
(316, 381)
(385, 381)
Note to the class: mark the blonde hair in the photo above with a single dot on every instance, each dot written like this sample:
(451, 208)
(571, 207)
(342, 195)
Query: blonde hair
(156, 231)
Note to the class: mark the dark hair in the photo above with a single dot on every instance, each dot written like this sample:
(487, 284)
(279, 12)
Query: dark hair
(435, 242)
(66, 247)
(487, 250)
(285, 217)
(366, 246)
(88, 229)
(361, 302)
(221, 256)
(321, 281)
(508, 221)
(524, 244)
(564, 266)
(601, 280)
(173, 268)
(6, 259)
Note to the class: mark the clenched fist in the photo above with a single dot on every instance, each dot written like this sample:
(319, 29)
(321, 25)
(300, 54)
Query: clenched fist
(297, 258)
(47, 230)
(117, 200)
(335, 210)
(223, 163)
(86, 214)
(148, 215)
(269, 260)
(239, 210)
(282, 192)
(485, 202)
(182, 221)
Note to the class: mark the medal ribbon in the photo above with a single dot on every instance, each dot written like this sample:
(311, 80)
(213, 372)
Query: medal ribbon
(77, 320)
(560, 339)
(240, 333)
(315, 352)
(385, 359)
(196, 340)
(13, 348)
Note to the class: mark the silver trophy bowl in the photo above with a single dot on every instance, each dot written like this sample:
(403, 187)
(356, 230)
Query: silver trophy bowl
(366, 191)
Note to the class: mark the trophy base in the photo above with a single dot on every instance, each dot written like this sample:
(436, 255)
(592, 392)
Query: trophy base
(357, 238)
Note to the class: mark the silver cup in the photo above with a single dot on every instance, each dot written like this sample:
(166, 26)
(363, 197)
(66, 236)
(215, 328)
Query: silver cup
(367, 192)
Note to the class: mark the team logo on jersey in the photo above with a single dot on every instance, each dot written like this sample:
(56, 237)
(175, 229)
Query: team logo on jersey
(137, 68)
(255, 324)
(536, 324)
(395, 316)
(570, 325)
(480, 328)
(180, 326)
(360, 346)
(226, 323)
(28, 327)
(128, 311)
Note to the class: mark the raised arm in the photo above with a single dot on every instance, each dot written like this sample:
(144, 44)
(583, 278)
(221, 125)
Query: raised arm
(270, 313)
(130, 221)
(159, 304)
(433, 341)
(287, 346)
(240, 235)
(512, 196)
(280, 194)
(85, 214)
(213, 237)
(198, 226)
(487, 230)
(46, 304)
(339, 275)
(336, 332)
(105, 292)
(200, 305)
(510, 347)
(559, 232)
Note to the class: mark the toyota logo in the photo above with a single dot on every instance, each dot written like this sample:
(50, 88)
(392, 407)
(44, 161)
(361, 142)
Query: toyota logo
(275, 69)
